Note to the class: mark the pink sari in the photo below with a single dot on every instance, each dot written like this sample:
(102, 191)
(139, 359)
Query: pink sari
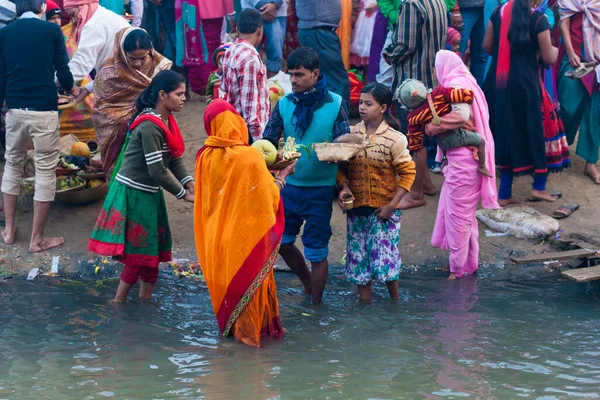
(455, 226)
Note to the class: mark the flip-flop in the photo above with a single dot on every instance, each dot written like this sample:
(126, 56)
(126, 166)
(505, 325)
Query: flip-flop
(553, 193)
(583, 70)
(565, 211)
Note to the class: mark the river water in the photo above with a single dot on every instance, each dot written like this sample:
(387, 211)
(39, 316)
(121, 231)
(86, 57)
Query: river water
(486, 339)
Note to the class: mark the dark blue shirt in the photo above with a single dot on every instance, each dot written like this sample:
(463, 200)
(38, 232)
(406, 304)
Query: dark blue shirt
(31, 51)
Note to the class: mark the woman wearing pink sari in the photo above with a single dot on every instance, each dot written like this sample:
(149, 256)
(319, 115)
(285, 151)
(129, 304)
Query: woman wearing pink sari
(455, 224)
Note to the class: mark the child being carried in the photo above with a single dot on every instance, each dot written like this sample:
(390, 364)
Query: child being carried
(426, 107)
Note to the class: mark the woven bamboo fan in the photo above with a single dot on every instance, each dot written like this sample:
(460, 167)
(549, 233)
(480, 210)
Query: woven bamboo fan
(337, 152)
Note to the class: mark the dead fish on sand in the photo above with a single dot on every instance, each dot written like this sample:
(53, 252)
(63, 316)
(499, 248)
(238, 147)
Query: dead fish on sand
(521, 222)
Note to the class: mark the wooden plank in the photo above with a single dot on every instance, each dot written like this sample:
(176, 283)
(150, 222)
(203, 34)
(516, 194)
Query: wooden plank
(583, 274)
(556, 256)
(594, 241)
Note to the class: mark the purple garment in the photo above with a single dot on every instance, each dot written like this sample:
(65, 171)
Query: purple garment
(380, 31)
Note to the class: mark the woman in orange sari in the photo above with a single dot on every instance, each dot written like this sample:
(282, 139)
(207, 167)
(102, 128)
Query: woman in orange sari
(118, 84)
(238, 225)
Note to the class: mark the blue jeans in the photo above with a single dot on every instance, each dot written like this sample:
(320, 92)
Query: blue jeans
(474, 29)
(313, 205)
(157, 16)
(275, 35)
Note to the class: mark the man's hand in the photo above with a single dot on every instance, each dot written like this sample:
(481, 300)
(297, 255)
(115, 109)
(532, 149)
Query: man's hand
(75, 91)
(268, 11)
(190, 187)
(385, 212)
(456, 20)
(82, 94)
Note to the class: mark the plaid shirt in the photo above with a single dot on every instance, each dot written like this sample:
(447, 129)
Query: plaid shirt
(245, 85)
(420, 32)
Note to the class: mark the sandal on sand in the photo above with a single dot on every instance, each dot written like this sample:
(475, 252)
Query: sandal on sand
(565, 211)
(553, 193)
(583, 70)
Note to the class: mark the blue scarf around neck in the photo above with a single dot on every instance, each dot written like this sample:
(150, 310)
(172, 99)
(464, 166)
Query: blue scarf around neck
(306, 104)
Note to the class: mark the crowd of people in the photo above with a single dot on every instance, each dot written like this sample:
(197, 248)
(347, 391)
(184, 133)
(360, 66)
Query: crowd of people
(472, 85)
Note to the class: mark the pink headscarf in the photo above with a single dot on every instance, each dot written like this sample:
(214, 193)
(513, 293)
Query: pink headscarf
(451, 71)
(87, 8)
(452, 33)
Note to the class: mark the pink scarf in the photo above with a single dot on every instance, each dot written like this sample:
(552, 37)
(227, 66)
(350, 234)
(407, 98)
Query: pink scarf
(452, 72)
(87, 8)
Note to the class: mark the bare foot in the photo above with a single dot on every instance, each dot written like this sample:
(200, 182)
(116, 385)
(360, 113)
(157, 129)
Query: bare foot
(429, 189)
(408, 202)
(591, 171)
(507, 202)
(45, 244)
(8, 237)
(539, 195)
(452, 277)
(482, 169)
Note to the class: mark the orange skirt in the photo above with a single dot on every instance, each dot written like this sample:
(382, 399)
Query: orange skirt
(260, 317)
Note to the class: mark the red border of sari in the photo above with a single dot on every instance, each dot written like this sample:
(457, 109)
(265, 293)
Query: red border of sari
(238, 291)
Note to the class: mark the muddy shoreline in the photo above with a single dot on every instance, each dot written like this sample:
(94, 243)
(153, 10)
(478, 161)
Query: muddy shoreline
(76, 222)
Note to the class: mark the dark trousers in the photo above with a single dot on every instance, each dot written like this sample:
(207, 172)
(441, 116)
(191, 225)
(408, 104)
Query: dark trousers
(327, 44)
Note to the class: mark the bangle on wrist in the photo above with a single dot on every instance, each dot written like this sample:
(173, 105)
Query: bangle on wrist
(455, 14)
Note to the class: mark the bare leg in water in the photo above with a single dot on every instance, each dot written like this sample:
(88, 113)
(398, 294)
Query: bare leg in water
(314, 283)
(416, 196)
(146, 290)
(294, 259)
(122, 292)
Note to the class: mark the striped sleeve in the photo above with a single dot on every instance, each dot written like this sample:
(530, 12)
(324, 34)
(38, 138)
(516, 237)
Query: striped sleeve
(405, 39)
(152, 145)
(178, 169)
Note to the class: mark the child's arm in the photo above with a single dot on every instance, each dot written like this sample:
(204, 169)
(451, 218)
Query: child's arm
(454, 119)
(406, 171)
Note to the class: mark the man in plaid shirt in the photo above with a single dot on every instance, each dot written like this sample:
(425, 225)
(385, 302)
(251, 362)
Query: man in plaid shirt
(245, 76)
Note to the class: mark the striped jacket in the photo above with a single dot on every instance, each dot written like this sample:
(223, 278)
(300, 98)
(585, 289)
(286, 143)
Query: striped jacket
(147, 161)
(419, 34)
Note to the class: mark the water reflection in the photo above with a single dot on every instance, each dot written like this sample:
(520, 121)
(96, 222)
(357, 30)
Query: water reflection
(443, 339)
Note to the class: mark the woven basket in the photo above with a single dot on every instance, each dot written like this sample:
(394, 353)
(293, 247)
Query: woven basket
(68, 102)
(337, 152)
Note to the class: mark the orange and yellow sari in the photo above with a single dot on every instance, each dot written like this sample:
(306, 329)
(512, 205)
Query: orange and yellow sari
(77, 120)
(238, 225)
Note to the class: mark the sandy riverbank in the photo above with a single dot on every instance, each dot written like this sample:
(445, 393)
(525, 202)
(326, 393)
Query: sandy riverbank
(75, 223)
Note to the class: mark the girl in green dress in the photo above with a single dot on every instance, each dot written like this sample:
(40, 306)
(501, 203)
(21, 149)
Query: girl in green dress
(133, 226)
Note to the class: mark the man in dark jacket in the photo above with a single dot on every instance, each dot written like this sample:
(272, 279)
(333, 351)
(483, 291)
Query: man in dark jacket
(31, 52)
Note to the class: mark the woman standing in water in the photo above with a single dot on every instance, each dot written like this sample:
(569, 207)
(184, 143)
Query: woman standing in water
(455, 226)
(515, 37)
(133, 225)
(238, 226)
(120, 81)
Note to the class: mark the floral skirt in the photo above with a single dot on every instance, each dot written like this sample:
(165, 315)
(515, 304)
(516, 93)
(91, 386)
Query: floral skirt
(133, 227)
(373, 248)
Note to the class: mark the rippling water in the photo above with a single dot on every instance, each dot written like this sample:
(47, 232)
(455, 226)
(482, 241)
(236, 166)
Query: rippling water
(463, 339)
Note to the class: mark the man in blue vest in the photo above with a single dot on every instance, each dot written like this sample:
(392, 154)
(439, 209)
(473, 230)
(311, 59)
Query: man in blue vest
(310, 114)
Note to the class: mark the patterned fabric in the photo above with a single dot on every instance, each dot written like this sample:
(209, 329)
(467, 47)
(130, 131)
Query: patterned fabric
(237, 249)
(591, 24)
(77, 120)
(442, 98)
(375, 175)
(291, 35)
(557, 148)
(245, 85)
(418, 35)
(373, 249)
(133, 227)
(116, 88)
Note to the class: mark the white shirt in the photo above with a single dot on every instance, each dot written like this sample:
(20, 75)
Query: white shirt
(96, 43)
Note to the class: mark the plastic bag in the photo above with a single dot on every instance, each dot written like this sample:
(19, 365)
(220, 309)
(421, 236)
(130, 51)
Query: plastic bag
(363, 31)
(283, 80)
